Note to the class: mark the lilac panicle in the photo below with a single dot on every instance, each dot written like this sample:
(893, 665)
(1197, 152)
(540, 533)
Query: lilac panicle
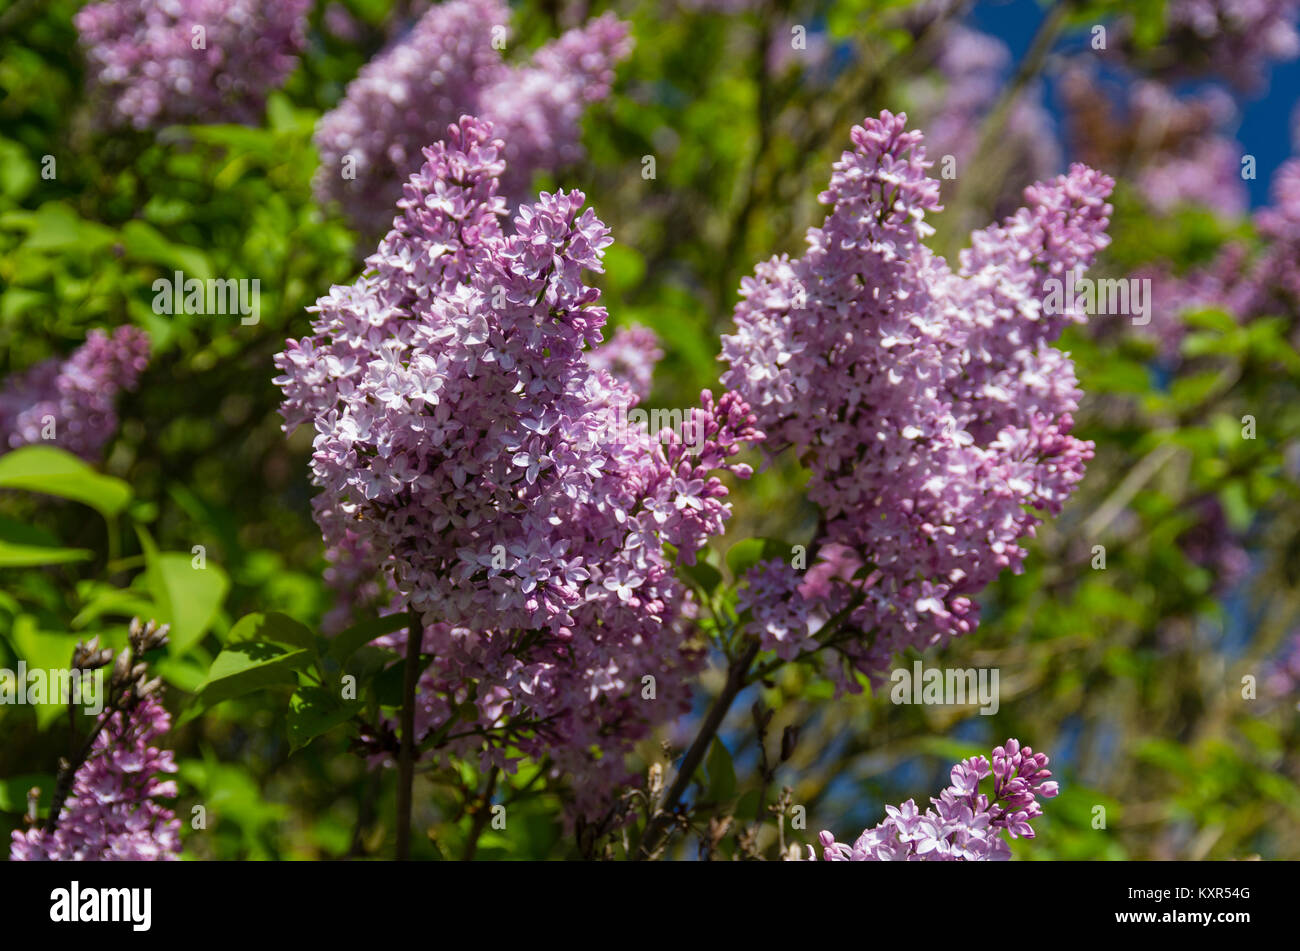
(77, 394)
(963, 825)
(113, 813)
(152, 66)
(448, 65)
(467, 446)
(928, 404)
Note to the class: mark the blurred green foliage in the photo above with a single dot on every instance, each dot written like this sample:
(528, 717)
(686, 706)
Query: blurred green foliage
(1130, 677)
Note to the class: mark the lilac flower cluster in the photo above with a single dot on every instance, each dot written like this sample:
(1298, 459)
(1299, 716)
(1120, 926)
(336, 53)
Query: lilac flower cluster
(159, 62)
(1246, 285)
(76, 395)
(1236, 39)
(1179, 146)
(448, 65)
(964, 824)
(465, 441)
(933, 413)
(113, 813)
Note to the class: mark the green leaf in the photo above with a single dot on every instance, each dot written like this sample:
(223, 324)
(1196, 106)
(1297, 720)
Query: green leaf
(46, 650)
(14, 789)
(57, 472)
(187, 597)
(56, 227)
(722, 773)
(705, 576)
(245, 668)
(272, 627)
(745, 554)
(314, 711)
(28, 556)
(144, 242)
(348, 642)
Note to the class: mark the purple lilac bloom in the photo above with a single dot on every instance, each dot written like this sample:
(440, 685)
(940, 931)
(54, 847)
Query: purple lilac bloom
(1179, 147)
(928, 403)
(630, 357)
(1247, 286)
(448, 65)
(964, 824)
(1208, 175)
(464, 438)
(1236, 39)
(75, 396)
(1211, 543)
(153, 66)
(113, 813)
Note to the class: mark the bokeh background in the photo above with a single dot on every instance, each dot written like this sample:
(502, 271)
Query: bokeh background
(1164, 686)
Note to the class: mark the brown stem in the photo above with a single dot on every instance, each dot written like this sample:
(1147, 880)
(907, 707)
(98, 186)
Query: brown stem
(406, 755)
(481, 817)
(656, 829)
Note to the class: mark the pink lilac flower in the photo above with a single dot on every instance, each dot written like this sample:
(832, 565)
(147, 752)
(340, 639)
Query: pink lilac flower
(467, 443)
(72, 400)
(1246, 285)
(1235, 39)
(1211, 543)
(1209, 175)
(928, 403)
(449, 64)
(1179, 147)
(113, 813)
(963, 825)
(630, 357)
(159, 62)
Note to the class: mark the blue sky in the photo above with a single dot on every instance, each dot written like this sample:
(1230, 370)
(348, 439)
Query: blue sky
(1265, 129)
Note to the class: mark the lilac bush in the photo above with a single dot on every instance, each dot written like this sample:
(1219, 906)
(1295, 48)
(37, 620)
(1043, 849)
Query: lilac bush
(465, 441)
(448, 65)
(160, 62)
(964, 824)
(70, 403)
(928, 403)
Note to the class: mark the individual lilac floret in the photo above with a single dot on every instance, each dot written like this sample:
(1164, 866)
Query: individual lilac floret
(450, 63)
(70, 403)
(113, 813)
(476, 456)
(161, 62)
(630, 357)
(964, 825)
(928, 404)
